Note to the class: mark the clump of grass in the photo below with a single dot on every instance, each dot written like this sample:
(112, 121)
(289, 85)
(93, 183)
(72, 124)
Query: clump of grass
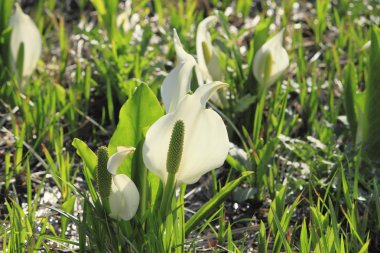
(313, 186)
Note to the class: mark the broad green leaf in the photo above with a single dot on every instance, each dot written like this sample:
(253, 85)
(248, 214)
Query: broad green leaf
(241, 194)
(261, 33)
(371, 137)
(244, 103)
(207, 209)
(135, 117)
(68, 207)
(88, 156)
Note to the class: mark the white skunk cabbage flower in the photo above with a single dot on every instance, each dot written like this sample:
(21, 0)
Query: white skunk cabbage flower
(177, 83)
(124, 198)
(25, 31)
(270, 61)
(207, 57)
(205, 144)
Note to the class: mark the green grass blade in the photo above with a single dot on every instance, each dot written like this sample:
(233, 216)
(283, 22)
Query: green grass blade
(213, 203)
(371, 137)
(349, 91)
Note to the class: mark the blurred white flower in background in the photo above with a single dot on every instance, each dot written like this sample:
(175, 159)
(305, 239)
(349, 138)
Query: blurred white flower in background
(270, 61)
(26, 33)
(208, 59)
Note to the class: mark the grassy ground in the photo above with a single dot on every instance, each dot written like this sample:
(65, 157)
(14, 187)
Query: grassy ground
(313, 188)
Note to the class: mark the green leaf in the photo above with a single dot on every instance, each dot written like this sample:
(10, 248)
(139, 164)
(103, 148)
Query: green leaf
(213, 204)
(349, 91)
(260, 36)
(280, 232)
(261, 33)
(262, 238)
(278, 206)
(88, 156)
(371, 137)
(304, 241)
(361, 122)
(61, 93)
(68, 207)
(20, 61)
(365, 247)
(244, 103)
(6, 11)
(135, 117)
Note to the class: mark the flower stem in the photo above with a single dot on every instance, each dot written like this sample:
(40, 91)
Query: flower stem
(173, 161)
(106, 204)
(167, 195)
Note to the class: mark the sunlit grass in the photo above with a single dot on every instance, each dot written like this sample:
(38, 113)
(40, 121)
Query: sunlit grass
(307, 170)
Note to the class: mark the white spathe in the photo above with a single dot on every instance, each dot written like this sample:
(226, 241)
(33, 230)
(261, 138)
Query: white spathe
(270, 61)
(124, 198)
(25, 31)
(117, 158)
(209, 65)
(177, 83)
(206, 141)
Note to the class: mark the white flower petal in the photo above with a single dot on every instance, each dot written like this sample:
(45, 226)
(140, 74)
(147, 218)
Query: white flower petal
(177, 83)
(279, 60)
(25, 31)
(205, 142)
(203, 36)
(117, 158)
(205, 92)
(211, 70)
(124, 198)
(199, 75)
(182, 55)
